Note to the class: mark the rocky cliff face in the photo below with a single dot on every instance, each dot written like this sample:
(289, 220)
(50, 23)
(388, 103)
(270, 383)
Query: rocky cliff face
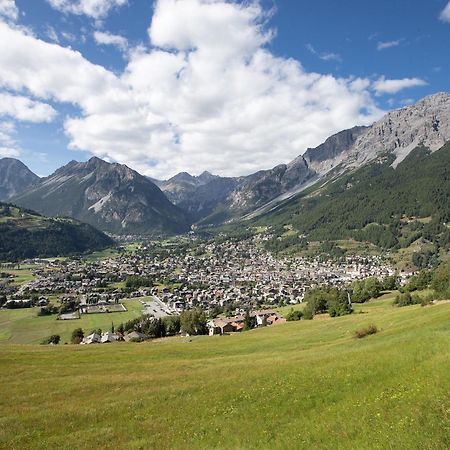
(333, 151)
(399, 132)
(111, 197)
(263, 186)
(15, 177)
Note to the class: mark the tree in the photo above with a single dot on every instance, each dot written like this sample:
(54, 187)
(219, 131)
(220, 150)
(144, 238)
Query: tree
(3, 300)
(389, 282)
(53, 340)
(193, 322)
(172, 324)
(294, 315)
(441, 280)
(77, 336)
(338, 304)
(249, 321)
(155, 328)
(121, 329)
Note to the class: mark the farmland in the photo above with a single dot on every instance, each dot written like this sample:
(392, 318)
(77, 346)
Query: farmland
(23, 326)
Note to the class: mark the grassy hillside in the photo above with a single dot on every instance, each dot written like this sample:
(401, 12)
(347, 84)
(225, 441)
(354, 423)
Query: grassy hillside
(26, 234)
(303, 385)
(377, 203)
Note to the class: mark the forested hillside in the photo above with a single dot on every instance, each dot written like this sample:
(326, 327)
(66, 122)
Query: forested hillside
(26, 234)
(376, 203)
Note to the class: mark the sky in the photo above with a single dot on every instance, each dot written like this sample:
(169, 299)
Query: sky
(231, 87)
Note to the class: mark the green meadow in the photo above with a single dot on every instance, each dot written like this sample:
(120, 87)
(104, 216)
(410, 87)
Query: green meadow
(301, 385)
(23, 326)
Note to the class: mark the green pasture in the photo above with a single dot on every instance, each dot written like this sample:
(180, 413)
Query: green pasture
(301, 385)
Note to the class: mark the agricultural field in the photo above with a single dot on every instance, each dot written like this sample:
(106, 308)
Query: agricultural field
(301, 385)
(23, 326)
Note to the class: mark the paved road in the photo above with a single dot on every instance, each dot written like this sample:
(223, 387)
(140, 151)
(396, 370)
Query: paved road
(157, 308)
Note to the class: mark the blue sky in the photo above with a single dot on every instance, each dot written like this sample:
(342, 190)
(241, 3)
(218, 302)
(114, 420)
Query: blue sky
(199, 85)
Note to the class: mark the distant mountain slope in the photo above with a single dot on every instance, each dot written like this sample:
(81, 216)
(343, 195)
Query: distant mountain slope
(398, 133)
(370, 203)
(26, 234)
(262, 190)
(111, 197)
(199, 196)
(15, 177)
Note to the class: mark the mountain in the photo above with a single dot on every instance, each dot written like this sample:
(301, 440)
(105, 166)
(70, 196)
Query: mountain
(199, 195)
(15, 177)
(397, 133)
(388, 205)
(26, 234)
(111, 197)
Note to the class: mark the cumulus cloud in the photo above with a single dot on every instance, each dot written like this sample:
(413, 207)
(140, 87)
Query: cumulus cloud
(106, 38)
(382, 45)
(445, 14)
(385, 86)
(9, 9)
(23, 108)
(97, 9)
(206, 93)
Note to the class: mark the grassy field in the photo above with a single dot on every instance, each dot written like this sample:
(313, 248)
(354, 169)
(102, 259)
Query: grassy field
(302, 385)
(22, 326)
(22, 275)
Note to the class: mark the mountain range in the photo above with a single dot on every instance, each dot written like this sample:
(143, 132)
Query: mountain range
(111, 197)
(117, 199)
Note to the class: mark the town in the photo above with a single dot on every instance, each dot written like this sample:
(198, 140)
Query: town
(224, 278)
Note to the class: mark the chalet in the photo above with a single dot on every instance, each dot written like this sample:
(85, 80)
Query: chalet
(93, 338)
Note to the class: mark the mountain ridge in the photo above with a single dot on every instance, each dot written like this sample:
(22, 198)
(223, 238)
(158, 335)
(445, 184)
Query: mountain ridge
(15, 177)
(111, 197)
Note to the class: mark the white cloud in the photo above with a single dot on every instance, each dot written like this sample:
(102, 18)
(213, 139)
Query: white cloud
(207, 94)
(23, 108)
(51, 33)
(106, 38)
(8, 152)
(384, 86)
(96, 9)
(445, 14)
(8, 145)
(7, 131)
(382, 45)
(325, 56)
(9, 9)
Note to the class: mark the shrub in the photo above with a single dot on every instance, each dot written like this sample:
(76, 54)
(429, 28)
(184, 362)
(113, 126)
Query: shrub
(48, 310)
(363, 332)
(406, 299)
(308, 313)
(53, 339)
(294, 315)
(77, 336)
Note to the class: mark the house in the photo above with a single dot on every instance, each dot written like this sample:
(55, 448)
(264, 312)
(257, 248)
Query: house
(220, 326)
(109, 337)
(135, 336)
(93, 338)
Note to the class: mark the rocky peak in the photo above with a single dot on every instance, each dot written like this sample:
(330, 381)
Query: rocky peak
(425, 123)
(15, 177)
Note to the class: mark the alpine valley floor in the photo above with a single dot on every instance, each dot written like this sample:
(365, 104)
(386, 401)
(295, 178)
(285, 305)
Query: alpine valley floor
(302, 385)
